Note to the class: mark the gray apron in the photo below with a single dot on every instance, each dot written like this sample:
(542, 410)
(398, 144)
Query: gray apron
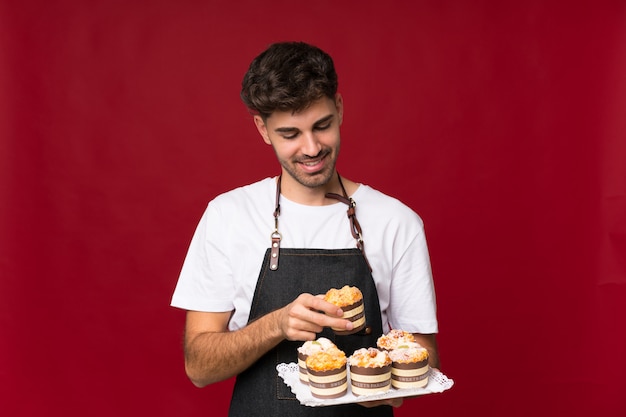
(285, 274)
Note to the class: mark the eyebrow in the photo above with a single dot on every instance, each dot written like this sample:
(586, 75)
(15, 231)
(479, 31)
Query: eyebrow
(288, 129)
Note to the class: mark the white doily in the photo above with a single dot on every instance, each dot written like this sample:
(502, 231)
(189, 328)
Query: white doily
(437, 382)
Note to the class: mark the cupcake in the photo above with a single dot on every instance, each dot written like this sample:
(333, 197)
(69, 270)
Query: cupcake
(350, 300)
(327, 374)
(409, 368)
(307, 349)
(370, 371)
(394, 338)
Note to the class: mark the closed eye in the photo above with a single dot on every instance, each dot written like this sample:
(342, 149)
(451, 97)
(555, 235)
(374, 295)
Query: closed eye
(323, 126)
(288, 133)
(324, 123)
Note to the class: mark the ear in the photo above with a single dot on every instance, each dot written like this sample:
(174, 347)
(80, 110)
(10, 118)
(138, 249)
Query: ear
(339, 106)
(262, 128)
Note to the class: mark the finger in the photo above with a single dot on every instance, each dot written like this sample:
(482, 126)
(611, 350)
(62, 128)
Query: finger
(394, 402)
(317, 318)
(318, 303)
(370, 404)
(305, 326)
(297, 329)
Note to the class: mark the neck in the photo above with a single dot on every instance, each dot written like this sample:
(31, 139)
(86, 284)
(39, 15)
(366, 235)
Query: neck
(310, 196)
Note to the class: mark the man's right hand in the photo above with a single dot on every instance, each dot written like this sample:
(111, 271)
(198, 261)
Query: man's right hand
(307, 315)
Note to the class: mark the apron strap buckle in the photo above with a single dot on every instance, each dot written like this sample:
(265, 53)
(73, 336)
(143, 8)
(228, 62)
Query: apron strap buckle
(275, 250)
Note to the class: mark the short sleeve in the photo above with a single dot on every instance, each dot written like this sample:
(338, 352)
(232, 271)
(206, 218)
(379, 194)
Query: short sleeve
(206, 282)
(412, 294)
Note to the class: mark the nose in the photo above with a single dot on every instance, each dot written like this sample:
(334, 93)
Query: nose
(311, 146)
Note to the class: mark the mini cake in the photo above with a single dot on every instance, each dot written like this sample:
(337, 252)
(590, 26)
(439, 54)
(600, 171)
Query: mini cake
(410, 366)
(370, 371)
(307, 349)
(350, 300)
(328, 377)
(394, 338)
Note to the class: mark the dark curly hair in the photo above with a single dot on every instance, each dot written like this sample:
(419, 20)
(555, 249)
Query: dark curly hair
(288, 76)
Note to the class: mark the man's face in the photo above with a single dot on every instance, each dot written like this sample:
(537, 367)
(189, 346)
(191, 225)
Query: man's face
(306, 143)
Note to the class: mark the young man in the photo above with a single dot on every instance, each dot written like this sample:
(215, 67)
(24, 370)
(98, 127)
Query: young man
(262, 252)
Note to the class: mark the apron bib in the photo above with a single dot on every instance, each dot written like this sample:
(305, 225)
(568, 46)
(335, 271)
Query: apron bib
(259, 390)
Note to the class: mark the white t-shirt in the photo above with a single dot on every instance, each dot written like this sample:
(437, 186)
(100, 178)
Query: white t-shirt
(222, 265)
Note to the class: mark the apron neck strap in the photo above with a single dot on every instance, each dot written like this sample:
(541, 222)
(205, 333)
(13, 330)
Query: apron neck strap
(355, 227)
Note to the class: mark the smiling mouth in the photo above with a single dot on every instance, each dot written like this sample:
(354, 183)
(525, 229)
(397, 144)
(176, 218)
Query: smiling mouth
(314, 162)
(311, 163)
(313, 166)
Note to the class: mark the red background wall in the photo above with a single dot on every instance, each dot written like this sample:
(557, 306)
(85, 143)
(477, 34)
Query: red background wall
(500, 122)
